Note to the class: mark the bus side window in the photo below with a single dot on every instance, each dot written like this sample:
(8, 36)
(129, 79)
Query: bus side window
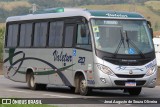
(83, 37)
(55, 34)
(12, 36)
(40, 34)
(25, 35)
(69, 32)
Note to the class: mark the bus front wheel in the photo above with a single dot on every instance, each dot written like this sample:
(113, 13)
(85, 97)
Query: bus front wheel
(134, 91)
(83, 89)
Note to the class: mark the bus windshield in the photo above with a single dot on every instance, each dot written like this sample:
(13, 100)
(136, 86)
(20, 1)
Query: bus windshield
(122, 36)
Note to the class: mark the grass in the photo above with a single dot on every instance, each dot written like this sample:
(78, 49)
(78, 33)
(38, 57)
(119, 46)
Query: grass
(153, 4)
(26, 105)
(14, 4)
(1, 41)
(2, 25)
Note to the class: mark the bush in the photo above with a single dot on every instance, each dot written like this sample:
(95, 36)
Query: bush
(1, 44)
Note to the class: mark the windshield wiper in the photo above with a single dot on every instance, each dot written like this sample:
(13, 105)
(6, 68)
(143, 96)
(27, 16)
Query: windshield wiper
(122, 39)
(137, 49)
(127, 39)
(119, 45)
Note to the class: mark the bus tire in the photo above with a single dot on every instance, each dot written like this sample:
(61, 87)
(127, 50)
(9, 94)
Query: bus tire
(134, 91)
(83, 89)
(34, 86)
(31, 82)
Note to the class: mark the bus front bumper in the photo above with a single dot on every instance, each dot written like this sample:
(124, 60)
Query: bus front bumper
(116, 82)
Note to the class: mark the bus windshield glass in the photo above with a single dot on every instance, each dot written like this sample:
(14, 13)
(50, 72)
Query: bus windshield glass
(122, 36)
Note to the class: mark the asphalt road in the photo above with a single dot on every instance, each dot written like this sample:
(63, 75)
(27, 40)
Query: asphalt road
(10, 89)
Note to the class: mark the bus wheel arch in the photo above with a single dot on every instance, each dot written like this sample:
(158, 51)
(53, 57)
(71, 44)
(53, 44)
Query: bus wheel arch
(28, 72)
(80, 81)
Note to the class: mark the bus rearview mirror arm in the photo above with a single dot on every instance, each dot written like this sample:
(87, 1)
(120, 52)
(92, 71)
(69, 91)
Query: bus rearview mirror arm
(150, 28)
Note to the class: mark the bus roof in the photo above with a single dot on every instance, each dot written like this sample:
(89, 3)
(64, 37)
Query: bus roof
(115, 14)
(69, 12)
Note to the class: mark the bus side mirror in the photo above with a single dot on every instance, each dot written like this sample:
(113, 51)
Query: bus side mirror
(149, 23)
(150, 28)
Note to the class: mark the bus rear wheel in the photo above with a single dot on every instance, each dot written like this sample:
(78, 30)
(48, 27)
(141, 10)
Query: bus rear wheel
(83, 89)
(34, 86)
(134, 91)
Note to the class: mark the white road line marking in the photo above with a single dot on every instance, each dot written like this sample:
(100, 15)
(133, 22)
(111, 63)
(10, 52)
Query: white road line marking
(17, 91)
(128, 104)
(61, 96)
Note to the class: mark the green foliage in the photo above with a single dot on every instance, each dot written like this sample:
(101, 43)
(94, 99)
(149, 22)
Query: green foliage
(17, 11)
(1, 43)
(70, 3)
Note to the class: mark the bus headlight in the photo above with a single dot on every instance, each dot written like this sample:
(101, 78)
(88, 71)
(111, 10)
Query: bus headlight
(151, 70)
(105, 69)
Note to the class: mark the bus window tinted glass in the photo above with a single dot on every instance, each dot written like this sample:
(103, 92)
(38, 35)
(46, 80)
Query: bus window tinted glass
(83, 37)
(9, 37)
(12, 35)
(25, 35)
(40, 34)
(22, 35)
(55, 34)
(43, 36)
(37, 34)
(52, 33)
(28, 34)
(69, 32)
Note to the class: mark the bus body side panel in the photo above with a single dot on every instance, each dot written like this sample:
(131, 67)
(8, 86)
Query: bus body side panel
(41, 65)
(83, 62)
(20, 59)
(12, 66)
(55, 67)
(56, 61)
(67, 66)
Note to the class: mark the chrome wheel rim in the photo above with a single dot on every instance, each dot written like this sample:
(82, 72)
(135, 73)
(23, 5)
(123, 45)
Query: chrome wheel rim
(32, 81)
(83, 86)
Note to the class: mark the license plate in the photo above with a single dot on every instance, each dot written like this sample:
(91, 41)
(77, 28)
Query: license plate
(131, 84)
